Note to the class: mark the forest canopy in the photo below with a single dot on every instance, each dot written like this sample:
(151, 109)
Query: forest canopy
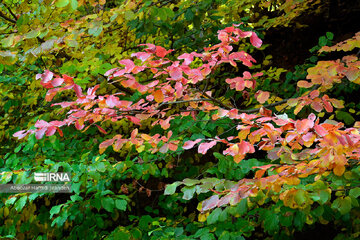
(214, 119)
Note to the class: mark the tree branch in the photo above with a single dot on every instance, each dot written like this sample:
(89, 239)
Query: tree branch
(118, 86)
(11, 12)
(216, 101)
(2, 15)
(265, 106)
(186, 101)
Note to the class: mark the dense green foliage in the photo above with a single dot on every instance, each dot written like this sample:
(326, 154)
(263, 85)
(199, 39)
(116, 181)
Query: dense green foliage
(163, 191)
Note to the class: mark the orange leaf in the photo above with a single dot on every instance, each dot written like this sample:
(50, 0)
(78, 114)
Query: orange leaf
(259, 174)
(244, 133)
(304, 84)
(339, 170)
(238, 158)
(159, 96)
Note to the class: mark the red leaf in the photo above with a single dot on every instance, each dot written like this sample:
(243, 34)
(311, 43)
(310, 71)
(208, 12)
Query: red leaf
(204, 147)
(165, 124)
(41, 124)
(262, 96)
(40, 133)
(112, 101)
(188, 58)
(245, 147)
(175, 73)
(68, 80)
(51, 131)
(134, 133)
(143, 56)
(303, 126)
(173, 146)
(77, 90)
(79, 126)
(105, 144)
(60, 132)
(57, 82)
(101, 129)
(255, 40)
(45, 77)
(320, 130)
(328, 107)
(134, 120)
(190, 144)
(265, 167)
(118, 144)
(129, 65)
(111, 71)
(223, 36)
(210, 203)
(162, 52)
(20, 134)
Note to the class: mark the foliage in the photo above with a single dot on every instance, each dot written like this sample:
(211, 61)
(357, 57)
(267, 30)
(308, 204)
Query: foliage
(178, 140)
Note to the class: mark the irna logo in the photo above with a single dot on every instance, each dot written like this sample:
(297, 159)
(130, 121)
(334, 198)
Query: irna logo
(52, 177)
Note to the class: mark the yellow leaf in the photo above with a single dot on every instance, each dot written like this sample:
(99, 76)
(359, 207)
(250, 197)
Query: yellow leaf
(203, 216)
(339, 170)
(244, 133)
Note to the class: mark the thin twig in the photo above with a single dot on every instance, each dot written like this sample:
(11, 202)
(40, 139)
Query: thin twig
(2, 15)
(186, 101)
(265, 106)
(11, 12)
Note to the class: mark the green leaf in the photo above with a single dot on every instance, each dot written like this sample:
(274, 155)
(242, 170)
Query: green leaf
(201, 232)
(170, 14)
(346, 117)
(171, 188)
(224, 236)
(108, 204)
(75, 198)
(317, 212)
(313, 59)
(96, 202)
(240, 209)
(10, 201)
(190, 182)
(122, 235)
(162, 14)
(214, 216)
(129, 15)
(343, 205)
(189, 15)
(271, 222)
(188, 192)
(74, 4)
(7, 42)
(299, 220)
(355, 192)
(120, 204)
(21, 203)
(322, 41)
(300, 197)
(61, 3)
(285, 220)
(330, 35)
(96, 31)
(55, 210)
(32, 34)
